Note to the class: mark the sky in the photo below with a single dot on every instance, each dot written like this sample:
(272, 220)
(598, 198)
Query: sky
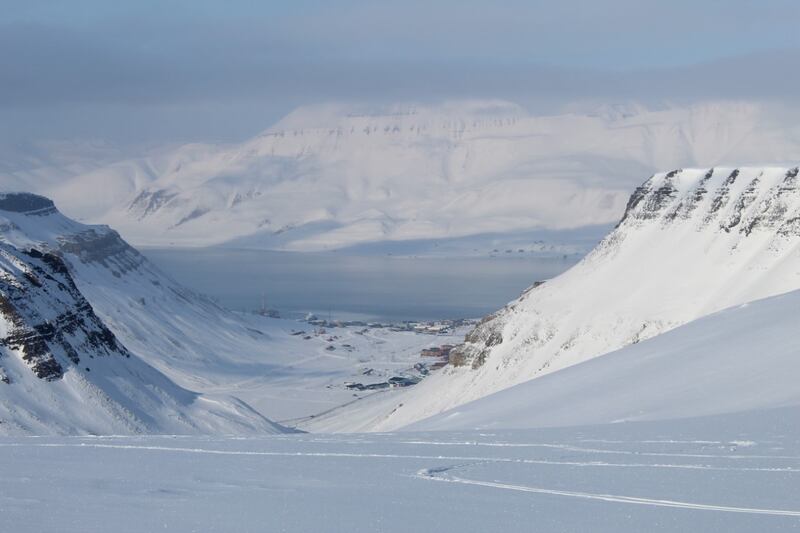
(145, 71)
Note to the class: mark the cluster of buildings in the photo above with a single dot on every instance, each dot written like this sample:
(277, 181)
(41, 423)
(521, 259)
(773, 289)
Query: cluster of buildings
(314, 320)
(442, 353)
(437, 357)
(391, 383)
(439, 327)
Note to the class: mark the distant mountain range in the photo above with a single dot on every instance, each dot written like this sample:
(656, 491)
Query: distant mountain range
(334, 176)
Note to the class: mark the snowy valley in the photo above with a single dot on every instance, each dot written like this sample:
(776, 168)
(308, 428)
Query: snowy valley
(97, 340)
(655, 381)
(396, 267)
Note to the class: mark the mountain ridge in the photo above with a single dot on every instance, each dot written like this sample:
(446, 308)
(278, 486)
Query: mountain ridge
(355, 175)
(692, 242)
(62, 369)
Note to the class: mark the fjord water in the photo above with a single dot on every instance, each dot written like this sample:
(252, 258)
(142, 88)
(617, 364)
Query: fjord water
(349, 287)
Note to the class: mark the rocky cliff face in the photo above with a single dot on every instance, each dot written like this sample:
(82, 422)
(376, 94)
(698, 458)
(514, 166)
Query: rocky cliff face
(62, 368)
(48, 322)
(751, 215)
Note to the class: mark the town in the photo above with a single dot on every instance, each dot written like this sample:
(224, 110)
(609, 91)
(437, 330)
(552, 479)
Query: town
(438, 327)
(440, 356)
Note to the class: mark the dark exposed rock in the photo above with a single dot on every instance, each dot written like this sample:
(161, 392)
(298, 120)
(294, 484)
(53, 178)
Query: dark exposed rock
(55, 263)
(30, 342)
(477, 343)
(494, 339)
(660, 197)
(722, 196)
(790, 227)
(196, 213)
(636, 198)
(772, 211)
(148, 202)
(23, 202)
(689, 204)
(104, 247)
(50, 323)
(647, 202)
(744, 201)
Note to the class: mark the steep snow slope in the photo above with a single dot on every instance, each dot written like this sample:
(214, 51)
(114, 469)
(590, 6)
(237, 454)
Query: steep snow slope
(741, 359)
(62, 371)
(691, 242)
(333, 176)
(149, 310)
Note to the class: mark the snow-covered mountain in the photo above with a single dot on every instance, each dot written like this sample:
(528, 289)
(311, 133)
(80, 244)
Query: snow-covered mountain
(691, 242)
(745, 358)
(198, 345)
(331, 176)
(62, 369)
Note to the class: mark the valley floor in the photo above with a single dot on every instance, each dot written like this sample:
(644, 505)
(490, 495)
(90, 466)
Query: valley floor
(726, 473)
(302, 370)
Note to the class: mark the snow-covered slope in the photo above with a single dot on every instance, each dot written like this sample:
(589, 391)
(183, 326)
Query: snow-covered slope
(62, 370)
(331, 176)
(741, 359)
(691, 242)
(197, 344)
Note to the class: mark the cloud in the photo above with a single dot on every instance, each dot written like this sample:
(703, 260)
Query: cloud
(240, 64)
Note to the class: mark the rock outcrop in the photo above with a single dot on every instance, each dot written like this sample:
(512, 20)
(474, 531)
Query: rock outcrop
(63, 370)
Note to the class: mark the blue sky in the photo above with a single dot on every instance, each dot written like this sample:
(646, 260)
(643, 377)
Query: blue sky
(145, 70)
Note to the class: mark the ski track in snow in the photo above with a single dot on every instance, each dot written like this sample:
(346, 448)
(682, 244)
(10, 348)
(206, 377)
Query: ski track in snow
(445, 474)
(441, 475)
(571, 448)
(443, 457)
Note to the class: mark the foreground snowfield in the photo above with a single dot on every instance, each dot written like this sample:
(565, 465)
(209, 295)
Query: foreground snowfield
(727, 473)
